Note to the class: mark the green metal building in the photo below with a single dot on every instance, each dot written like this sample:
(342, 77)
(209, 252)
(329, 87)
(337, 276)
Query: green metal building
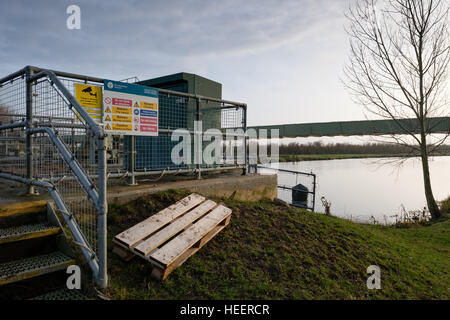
(176, 113)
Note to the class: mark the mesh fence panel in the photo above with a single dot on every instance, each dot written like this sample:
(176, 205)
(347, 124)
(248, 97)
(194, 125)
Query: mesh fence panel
(12, 141)
(180, 112)
(50, 109)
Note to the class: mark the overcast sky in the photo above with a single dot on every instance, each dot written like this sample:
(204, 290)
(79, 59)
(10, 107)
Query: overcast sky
(283, 58)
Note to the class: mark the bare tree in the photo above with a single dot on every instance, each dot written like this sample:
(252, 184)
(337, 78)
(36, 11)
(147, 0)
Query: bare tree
(399, 58)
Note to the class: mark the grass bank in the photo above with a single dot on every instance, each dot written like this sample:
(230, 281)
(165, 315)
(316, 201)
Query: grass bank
(270, 250)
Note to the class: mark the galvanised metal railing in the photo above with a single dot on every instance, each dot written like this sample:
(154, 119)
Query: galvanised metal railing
(295, 187)
(48, 140)
(40, 149)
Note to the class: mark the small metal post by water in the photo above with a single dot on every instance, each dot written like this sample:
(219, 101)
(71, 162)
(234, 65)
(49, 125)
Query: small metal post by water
(314, 192)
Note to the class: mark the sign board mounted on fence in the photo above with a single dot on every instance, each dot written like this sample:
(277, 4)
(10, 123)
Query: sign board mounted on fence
(130, 109)
(90, 98)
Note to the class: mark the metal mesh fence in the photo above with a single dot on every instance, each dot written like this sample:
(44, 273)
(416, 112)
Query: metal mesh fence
(179, 112)
(12, 141)
(51, 110)
(70, 144)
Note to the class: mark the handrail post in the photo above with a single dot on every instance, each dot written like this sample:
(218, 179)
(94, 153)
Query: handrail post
(29, 135)
(244, 125)
(198, 138)
(102, 278)
(314, 193)
(131, 159)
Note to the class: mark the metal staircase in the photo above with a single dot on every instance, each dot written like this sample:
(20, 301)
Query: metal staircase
(33, 255)
(60, 149)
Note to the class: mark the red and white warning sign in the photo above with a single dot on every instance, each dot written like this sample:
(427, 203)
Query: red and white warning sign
(130, 109)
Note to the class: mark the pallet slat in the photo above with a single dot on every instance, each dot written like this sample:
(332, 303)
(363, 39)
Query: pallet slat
(180, 244)
(168, 238)
(165, 234)
(138, 232)
(161, 273)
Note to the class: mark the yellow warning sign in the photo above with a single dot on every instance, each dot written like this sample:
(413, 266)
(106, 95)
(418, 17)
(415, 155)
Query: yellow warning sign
(90, 98)
(121, 126)
(136, 105)
(89, 110)
(120, 118)
(108, 127)
(149, 105)
(108, 109)
(107, 118)
(121, 110)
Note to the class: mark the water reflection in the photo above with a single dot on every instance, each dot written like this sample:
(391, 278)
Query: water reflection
(360, 189)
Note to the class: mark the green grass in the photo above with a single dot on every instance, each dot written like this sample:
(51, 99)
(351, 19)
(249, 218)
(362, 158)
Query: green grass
(272, 251)
(445, 205)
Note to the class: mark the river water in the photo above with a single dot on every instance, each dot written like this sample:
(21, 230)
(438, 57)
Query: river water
(360, 189)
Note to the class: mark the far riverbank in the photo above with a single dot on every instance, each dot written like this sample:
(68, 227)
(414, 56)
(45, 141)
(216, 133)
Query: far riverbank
(312, 157)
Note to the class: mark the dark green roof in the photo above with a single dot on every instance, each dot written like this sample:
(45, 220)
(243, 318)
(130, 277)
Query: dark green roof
(188, 83)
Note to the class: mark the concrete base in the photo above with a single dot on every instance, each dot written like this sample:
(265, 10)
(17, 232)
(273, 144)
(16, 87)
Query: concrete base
(252, 187)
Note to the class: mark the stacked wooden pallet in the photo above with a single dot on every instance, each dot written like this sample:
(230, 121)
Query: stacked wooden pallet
(169, 237)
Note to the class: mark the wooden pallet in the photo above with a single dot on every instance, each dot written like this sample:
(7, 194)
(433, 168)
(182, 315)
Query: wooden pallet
(169, 237)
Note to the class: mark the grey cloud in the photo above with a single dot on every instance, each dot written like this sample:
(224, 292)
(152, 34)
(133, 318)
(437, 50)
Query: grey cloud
(127, 35)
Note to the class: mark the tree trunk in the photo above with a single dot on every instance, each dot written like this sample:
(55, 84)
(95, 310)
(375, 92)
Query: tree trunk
(431, 203)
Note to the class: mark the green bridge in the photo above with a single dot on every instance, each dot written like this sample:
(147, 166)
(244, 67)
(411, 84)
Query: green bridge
(358, 128)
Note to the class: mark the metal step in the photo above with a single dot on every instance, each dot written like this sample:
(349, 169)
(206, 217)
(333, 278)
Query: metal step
(18, 270)
(27, 231)
(22, 207)
(63, 294)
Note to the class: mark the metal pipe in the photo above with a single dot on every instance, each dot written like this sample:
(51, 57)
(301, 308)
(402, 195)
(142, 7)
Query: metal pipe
(11, 138)
(100, 80)
(73, 102)
(29, 138)
(244, 124)
(102, 278)
(36, 116)
(21, 124)
(59, 125)
(197, 96)
(13, 75)
(132, 159)
(113, 175)
(69, 75)
(43, 184)
(78, 236)
(314, 193)
(198, 139)
(290, 171)
(81, 126)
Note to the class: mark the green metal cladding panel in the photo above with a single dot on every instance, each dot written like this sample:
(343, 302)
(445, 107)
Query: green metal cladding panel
(154, 152)
(193, 84)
